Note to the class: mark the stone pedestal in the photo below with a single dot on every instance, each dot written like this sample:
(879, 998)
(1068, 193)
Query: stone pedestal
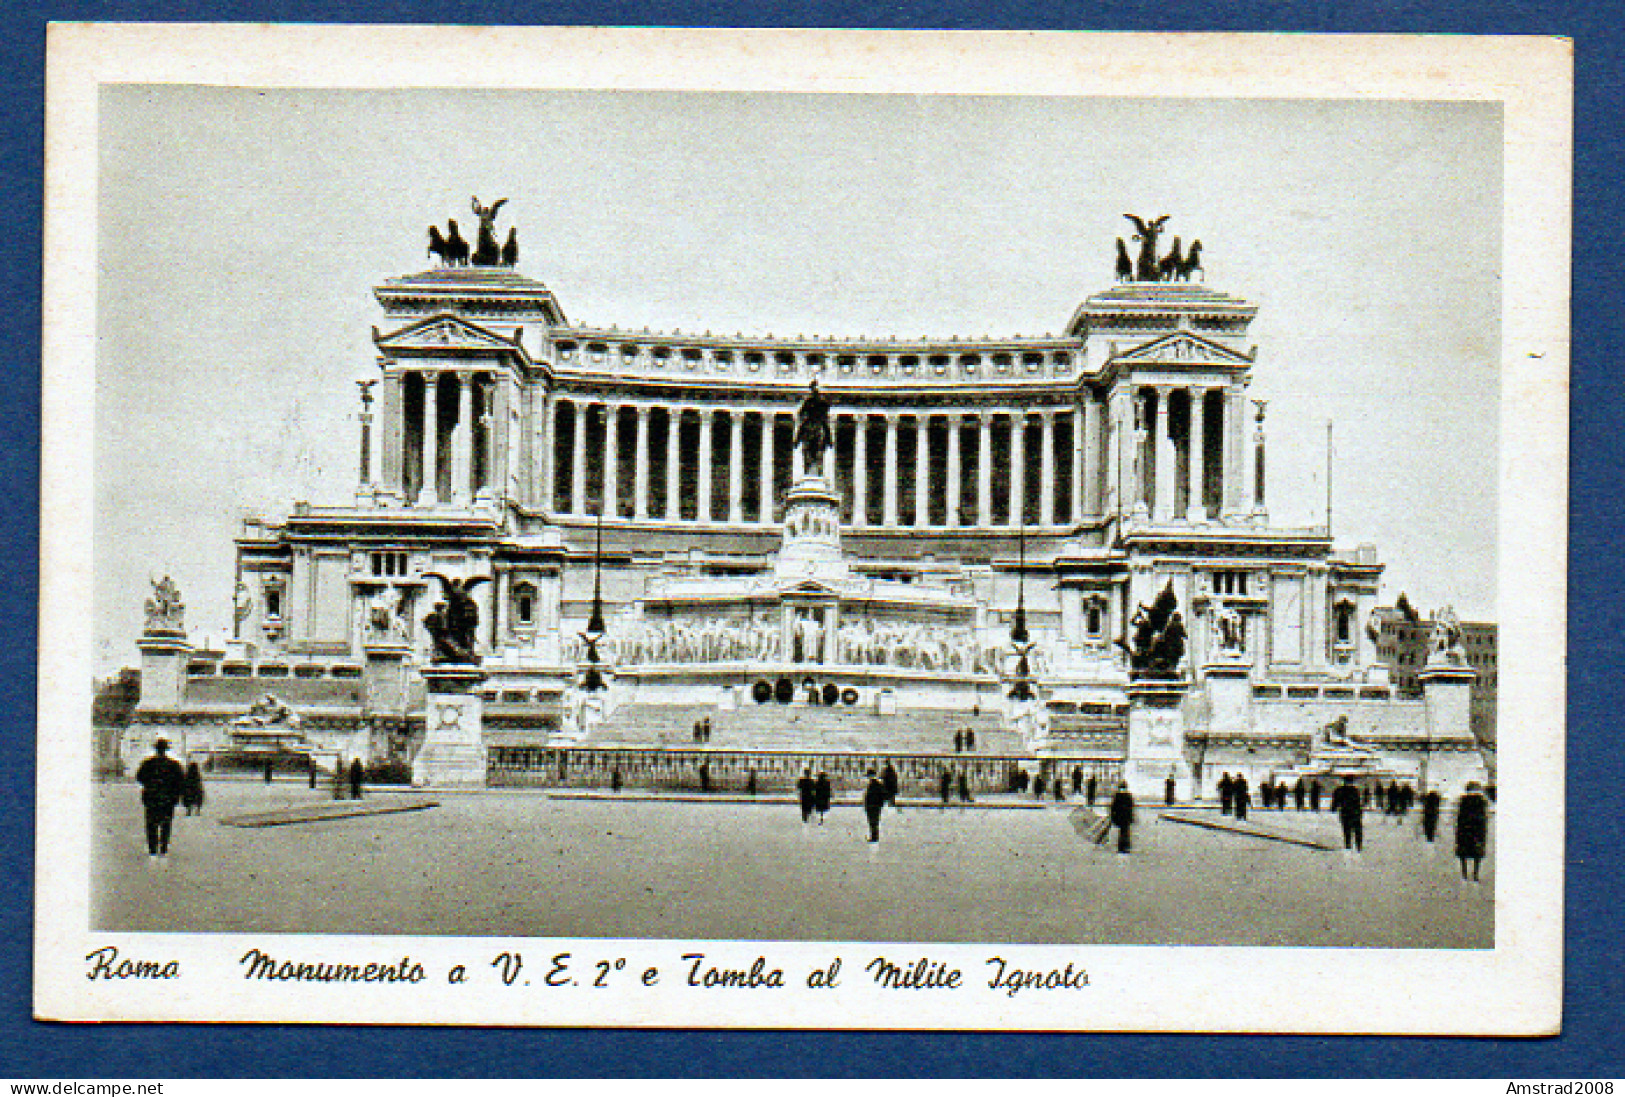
(453, 750)
(1229, 695)
(811, 547)
(385, 681)
(1453, 757)
(163, 669)
(1156, 739)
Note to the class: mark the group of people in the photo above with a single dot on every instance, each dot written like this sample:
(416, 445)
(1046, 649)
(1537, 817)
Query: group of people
(964, 740)
(1350, 802)
(702, 730)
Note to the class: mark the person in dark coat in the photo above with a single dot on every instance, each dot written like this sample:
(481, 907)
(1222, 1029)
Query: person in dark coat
(1431, 801)
(1241, 798)
(1349, 804)
(192, 793)
(162, 782)
(1059, 789)
(964, 787)
(269, 767)
(1090, 787)
(1122, 816)
(1226, 794)
(750, 783)
(888, 780)
(959, 741)
(1038, 787)
(1472, 829)
(358, 774)
(705, 776)
(874, 802)
(1077, 780)
(806, 794)
(1266, 794)
(970, 739)
(1314, 795)
(1168, 791)
(947, 785)
(823, 795)
(615, 779)
(1299, 791)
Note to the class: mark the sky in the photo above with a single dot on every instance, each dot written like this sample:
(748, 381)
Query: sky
(240, 233)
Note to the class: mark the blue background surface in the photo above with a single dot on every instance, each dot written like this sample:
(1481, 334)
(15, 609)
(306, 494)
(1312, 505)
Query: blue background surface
(1591, 1044)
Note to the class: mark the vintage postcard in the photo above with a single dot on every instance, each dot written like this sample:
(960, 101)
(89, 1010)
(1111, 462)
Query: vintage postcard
(804, 529)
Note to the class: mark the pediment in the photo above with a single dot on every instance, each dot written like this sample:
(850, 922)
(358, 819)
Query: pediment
(811, 589)
(1183, 347)
(440, 334)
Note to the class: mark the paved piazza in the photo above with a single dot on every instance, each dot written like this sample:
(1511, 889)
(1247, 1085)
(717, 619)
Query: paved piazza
(524, 863)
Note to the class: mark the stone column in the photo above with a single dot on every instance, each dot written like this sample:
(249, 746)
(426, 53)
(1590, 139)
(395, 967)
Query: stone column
(364, 479)
(1046, 477)
(1167, 465)
(545, 425)
(1018, 468)
(674, 427)
(612, 461)
(1259, 467)
(1197, 510)
(1080, 435)
(951, 517)
(702, 487)
(429, 492)
(392, 437)
(736, 465)
(1091, 459)
(922, 470)
(1235, 414)
(984, 470)
(578, 460)
(890, 516)
(640, 489)
(860, 471)
(765, 473)
(462, 446)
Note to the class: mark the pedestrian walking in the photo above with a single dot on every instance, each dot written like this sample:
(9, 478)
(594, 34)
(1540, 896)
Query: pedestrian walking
(874, 802)
(750, 784)
(615, 779)
(162, 782)
(888, 781)
(269, 765)
(358, 774)
(1168, 791)
(1431, 801)
(1038, 787)
(1060, 791)
(192, 792)
(1241, 798)
(959, 741)
(1314, 795)
(1299, 791)
(964, 787)
(1350, 805)
(970, 739)
(1226, 794)
(1122, 816)
(947, 787)
(806, 794)
(1077, 780)
(1472, 829)
(823, 794)
(1089, 790)
(705, 776)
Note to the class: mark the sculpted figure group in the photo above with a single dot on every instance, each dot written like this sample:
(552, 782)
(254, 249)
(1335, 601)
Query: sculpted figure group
(451, 250)
(1158, 643)
(1148, 266)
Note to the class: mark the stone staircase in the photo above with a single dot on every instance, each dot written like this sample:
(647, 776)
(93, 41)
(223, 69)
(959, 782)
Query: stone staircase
(803, 728)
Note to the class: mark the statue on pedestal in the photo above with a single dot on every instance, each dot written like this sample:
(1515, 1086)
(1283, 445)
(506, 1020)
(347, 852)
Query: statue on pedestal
(1159, 638)
(454, 623)
(165, 612)
(487, 252)
(812, 429)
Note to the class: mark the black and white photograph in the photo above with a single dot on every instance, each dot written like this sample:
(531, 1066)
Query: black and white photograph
(804, 523)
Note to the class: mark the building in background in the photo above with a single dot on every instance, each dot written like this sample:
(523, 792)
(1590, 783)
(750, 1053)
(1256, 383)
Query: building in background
(988, 521)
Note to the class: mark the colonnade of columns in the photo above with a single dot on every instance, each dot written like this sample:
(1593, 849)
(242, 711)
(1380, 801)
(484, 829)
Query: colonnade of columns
(443, 437)
(1181, 455)
(969, 468)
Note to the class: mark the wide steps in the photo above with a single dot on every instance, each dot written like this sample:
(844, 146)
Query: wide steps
(774, 727)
